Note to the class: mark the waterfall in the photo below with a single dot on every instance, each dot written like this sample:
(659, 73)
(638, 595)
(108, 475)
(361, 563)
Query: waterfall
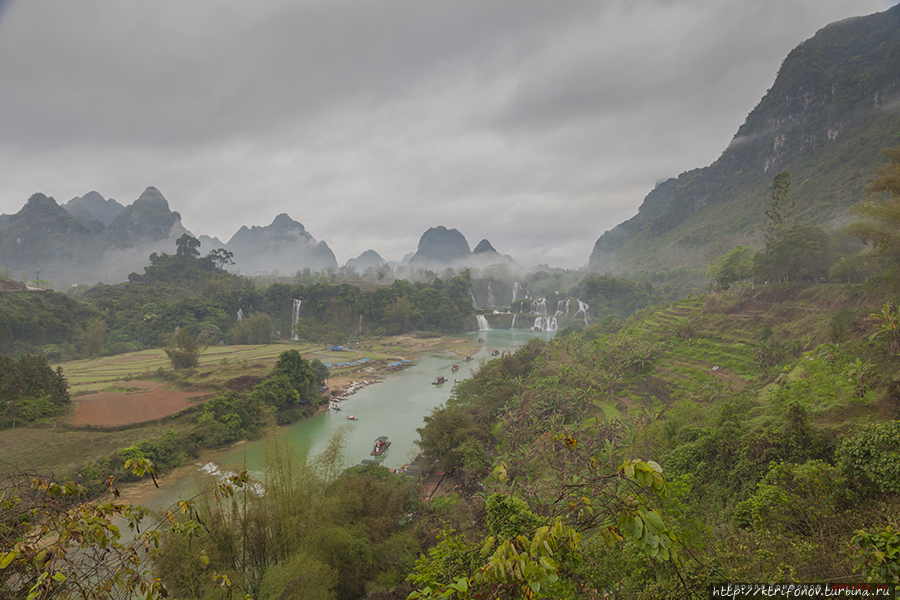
(513, 326)
(472, 298)
(240, 315)
(539, 307)
(482, 323)
(562, 307)
(490, 295)
(545, 324)
(295, 316)
(359, 331)
(517, 291)
(583, 308)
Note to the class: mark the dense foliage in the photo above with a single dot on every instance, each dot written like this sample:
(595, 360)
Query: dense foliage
(776, 459)
(30, 389)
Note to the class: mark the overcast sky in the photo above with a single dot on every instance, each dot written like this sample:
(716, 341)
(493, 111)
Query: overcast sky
(536, 124)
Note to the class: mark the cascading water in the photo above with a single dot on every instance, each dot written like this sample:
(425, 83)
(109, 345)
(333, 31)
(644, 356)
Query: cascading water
(472, 298)
(295, 316)
(482, 323)
(359, 331)
(539, 307)
(490, 295)
(513, 326)
(545, 324)
(519, 292)
(562, 307)
(240, 315)
(583, 308)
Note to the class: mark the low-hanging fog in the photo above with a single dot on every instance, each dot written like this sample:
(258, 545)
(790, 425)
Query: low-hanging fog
(535, 125)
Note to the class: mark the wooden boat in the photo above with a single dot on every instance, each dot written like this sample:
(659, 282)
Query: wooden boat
(352, 418)
(454, 368)
(468, 358)
(495, 353)
(381, 445)
(439, 380)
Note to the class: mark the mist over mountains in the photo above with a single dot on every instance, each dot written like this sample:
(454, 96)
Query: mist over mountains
(832, 108)
(91, 238)
(834, 104)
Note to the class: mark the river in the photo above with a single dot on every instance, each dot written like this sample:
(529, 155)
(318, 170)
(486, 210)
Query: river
(393, 407)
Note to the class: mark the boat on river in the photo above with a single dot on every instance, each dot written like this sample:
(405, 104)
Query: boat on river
(381, 445)
(439, 380)
(454, 368)
(352, 418)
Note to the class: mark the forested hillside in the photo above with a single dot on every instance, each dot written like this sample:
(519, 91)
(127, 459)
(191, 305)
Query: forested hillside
(770, 416)
(831, 108)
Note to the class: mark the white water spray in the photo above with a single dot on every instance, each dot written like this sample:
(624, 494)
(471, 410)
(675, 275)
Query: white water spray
(482, 323)
(513, 326)
(539, 307)
(545, 324)
(472, 298)
(490, 295)
(295, 316)
(562, 307)
(519, 292)
(583, 309)
(240, 315)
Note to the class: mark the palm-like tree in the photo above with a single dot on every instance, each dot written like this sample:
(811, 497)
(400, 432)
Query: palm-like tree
(888, 321)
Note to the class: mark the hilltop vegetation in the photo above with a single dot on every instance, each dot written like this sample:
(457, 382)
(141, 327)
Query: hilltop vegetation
(831, 108)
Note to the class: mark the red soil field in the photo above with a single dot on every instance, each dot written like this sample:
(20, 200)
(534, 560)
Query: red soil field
(115, 409)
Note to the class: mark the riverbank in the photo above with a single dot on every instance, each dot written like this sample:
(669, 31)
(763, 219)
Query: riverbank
(395, 408)
(347, 381)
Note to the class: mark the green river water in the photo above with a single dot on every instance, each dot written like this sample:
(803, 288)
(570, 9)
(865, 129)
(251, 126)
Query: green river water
(393, 407)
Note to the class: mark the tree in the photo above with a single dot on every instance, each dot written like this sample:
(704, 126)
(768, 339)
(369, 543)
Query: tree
(220, 257)
(55, 542)
(879, 223)
(187, 246)
(734, 266)
(255, 329)
(797, 252)
(782, 208)
(297, 371)
(399, 315)
(93, 336)
(869, 458)
(888, 321)
(183, 350)
(30, 389)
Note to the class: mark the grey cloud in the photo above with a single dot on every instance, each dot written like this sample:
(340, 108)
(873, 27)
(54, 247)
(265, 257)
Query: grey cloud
(537, 125)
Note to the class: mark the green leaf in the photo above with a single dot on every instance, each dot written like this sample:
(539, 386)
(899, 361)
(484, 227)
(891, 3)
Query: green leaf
(8, 558)
(638, 528)
(655, 521)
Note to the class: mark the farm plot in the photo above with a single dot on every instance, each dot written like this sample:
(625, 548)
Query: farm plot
(116, 409)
